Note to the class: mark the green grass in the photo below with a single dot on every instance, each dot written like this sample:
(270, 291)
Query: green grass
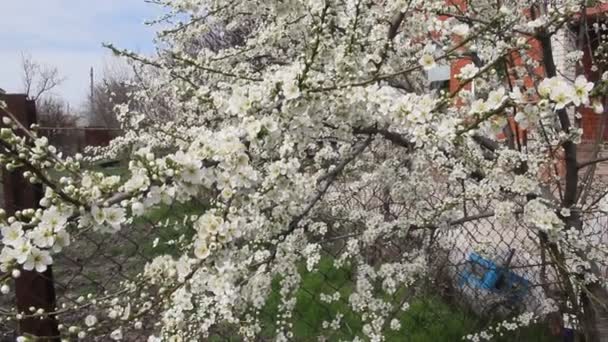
(428, 319)
(175, 213)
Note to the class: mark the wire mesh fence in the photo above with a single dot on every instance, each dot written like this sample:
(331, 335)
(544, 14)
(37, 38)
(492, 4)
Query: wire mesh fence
(477, 273)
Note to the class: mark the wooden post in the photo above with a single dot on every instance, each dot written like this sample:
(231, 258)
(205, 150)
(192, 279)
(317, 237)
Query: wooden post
(32, 289)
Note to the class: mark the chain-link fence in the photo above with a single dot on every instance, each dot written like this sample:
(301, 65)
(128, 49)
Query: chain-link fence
(480, 273)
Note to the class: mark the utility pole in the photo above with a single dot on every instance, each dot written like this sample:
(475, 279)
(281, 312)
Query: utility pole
(92, 119)
(92, 78)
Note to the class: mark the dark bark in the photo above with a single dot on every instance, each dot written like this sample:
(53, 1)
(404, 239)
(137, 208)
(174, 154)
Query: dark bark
(594, 297)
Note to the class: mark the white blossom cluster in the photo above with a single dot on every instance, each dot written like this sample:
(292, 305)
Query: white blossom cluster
(317, 131)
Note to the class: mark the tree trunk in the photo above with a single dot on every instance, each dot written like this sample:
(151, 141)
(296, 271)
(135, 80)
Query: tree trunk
(594, 300)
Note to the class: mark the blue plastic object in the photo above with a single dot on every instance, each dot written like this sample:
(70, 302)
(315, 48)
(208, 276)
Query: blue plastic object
(484, 274)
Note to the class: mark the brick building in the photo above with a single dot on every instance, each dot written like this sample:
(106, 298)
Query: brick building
(567, 40)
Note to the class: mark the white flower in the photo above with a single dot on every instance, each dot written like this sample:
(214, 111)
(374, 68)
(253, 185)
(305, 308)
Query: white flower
(22, 250)
(536, 23)
(114, 216)
(201, 250)
(540, 216)
(42, 236)
(516, 95)
(252, 128)
(153, 197)
(461, 30)
(581, 91)
(116, 335)
(495, 125)
(496, 97)
(12, 234)
(479, 106)
(562, 96)
(547, 85)
(90, 320)
(98, 214)
(54, 219)
(41, 142)
(427, 61)
(528, 117)
(207, 224)
(395, 324)
(137, 208)
(239, 102)
(62, 239)
(291, 90)
(192, 173)
(109, 182)
(139, 180)
(598, 107)
(87, 181)
(289, 81)
(522, 119)
(468, 71)
(191, 168)
(126, 312)
(603, 204)
(557, 90)
(38, 260)
(7, 259)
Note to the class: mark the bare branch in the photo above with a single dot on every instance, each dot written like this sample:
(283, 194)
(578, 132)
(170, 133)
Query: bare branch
(591, 162)
(38, 79)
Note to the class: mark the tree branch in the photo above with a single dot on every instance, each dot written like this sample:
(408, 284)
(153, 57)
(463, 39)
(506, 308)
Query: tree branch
(327, 181)
(393, 137)
(591, 162)
(570, 154)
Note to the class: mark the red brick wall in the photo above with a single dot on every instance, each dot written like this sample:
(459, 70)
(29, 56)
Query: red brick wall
(590, 121)
(97, 137)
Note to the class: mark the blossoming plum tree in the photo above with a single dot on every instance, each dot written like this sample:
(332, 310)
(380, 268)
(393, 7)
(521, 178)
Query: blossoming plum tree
(323, 103)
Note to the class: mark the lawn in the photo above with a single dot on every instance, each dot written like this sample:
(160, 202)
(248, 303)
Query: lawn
(429, 317)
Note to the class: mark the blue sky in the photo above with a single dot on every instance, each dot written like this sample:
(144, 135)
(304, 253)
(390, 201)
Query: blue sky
(68, 34)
